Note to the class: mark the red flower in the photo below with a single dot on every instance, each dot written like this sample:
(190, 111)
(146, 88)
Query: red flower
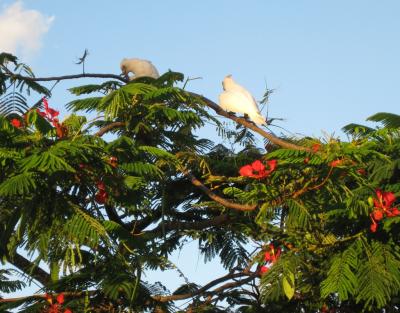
(336, 163)
(272, 165)
(306, 160)
(113, 161)
(362, 171)
(377, 215)
(60, 298)
(246, 170)
(373, 227)
(48, 298)
(273, 254)
(395, 211)
(54, 308)
(101, 197)
(263, 269)
(101, 185)
(257, 169)
(49, 113)
(384, 200)
(16, 123)
(315, 147)
(67, 311)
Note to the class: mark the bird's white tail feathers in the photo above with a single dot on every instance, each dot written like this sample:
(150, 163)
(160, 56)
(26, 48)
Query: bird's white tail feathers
(258, 118)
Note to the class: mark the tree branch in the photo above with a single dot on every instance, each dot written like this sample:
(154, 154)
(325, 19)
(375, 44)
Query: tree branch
(216, 198)
(247, 124)
(109, 127)
(27, 267)
(66, 77)
(208, 286)
(198, 225)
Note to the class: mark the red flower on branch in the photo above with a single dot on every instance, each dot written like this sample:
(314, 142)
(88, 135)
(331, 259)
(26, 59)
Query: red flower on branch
(257, 169)
(315, 147)
(383, 206)
(373, 227)
(101, 197)
(16, 123)
(56, 307)
(362, 171)
(384, 200)
(60, 298)
(113, 161)
(270, 257)
(48, 113)
(336, 163)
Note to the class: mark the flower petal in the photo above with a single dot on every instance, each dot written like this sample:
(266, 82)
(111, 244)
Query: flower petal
(258, 166)
(388, 199)
(246, 170)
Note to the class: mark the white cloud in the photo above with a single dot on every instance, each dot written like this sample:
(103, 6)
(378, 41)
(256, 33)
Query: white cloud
(21, 30)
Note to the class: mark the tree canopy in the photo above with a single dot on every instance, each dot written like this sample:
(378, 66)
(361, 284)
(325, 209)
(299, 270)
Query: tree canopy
(90, 202)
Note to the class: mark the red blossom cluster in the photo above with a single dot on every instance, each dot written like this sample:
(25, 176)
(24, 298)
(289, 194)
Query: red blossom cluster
(257, 169)
(16, 123)
(315, 147)
(336, 162)
(113, 161)
(56, 307)
(48, 113)
(383, 208)
(102, 195)
(270, 257)
(51, 115)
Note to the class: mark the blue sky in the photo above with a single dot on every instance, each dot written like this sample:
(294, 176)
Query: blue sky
(330, 62)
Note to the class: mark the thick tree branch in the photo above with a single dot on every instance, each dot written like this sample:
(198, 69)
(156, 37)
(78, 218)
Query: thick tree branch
(66, 77)
(198, 225)
(44, 296)
(208, 286)
(216, 198)
(202, 290)
(109, 127)
(247, 124)
(27, 267)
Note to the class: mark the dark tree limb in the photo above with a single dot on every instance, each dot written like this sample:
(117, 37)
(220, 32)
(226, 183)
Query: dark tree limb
(109, 127)
(198, 225)
(66, 77)
(210, 285)
(226, 203)
(29, 268)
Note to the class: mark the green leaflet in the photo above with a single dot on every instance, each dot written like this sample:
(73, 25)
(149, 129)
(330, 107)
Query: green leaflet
(20, 184)
(288, 285)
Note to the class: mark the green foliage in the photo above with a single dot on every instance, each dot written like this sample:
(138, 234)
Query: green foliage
(101, 212)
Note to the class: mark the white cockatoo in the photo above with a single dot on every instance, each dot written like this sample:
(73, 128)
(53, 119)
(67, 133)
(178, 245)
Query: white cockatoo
(139, 68)
(236, 98)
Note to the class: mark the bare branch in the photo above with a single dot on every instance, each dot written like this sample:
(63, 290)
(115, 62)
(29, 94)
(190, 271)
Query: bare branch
(198, 225)
(109, 127)
(29, 268)
(250, 125)
(66, 77)
(226, 203)
(210, 285)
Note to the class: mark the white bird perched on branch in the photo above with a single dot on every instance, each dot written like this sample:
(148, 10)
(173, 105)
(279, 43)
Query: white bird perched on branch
(236, 98)
(139, 68)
